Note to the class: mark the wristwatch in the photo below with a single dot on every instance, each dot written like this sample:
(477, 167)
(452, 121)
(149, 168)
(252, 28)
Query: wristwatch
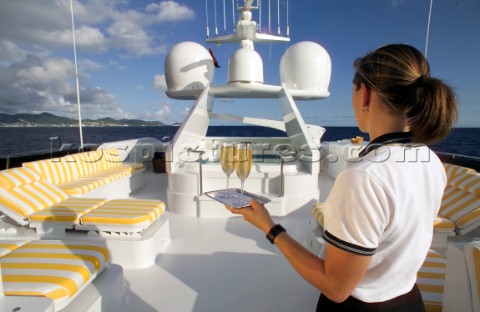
(274, 231)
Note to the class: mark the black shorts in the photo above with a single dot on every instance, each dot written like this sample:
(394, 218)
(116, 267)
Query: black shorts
(411, 302)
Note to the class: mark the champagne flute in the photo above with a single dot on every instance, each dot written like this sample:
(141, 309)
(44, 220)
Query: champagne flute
(227, 160)
(243, 161)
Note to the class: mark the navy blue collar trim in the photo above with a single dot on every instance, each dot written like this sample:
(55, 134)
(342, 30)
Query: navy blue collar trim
(388, 138)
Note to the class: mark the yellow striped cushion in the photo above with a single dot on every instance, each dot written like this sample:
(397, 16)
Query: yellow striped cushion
(24, 200)
(84, 185)
(7, 246)
(468, 182)
(460, 207)
(55, 170)
(111, 158)
(431, 280)
(472, 256)
(17, 177)
(454, 170)
(125, 213)
(317, 211)
(85, 163)
(53, 269)
(441, 224)
(68, 211)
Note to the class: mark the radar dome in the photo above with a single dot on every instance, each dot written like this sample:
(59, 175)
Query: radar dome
(245, 65)
(306, 66)
(188, 70)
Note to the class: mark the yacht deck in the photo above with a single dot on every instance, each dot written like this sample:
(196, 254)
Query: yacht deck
(218, 264)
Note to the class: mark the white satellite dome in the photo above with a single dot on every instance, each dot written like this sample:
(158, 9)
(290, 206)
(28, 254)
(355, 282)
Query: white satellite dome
(188, 70)
(245, 65)
(306, 66)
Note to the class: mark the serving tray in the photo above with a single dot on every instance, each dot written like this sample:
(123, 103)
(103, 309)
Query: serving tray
(234, 198)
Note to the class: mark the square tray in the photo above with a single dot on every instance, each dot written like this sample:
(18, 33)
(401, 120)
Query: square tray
(235, 198)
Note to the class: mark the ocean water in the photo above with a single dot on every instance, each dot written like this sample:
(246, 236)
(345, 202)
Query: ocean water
(17, 141)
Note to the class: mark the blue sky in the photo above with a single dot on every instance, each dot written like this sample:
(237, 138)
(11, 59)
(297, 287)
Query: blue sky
(121, 47)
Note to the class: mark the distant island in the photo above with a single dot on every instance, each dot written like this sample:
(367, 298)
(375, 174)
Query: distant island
(50, 120)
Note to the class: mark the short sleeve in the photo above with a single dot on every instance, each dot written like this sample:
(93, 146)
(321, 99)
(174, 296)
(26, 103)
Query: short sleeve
(356, 213)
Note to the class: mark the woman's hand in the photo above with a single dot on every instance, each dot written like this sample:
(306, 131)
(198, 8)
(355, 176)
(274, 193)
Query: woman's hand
(256, 214)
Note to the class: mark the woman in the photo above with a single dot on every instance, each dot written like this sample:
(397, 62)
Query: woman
(379, 215)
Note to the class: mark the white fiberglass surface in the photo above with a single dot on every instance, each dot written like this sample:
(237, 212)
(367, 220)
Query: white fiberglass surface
(219, 264)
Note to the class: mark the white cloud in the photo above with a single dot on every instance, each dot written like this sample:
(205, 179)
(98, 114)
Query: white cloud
(133, 38)
(170, 11)
(159, 82)
(37, 72)
(46, 85)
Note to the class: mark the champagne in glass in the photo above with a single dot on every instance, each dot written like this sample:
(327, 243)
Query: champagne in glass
(227, 160)
(243, 161)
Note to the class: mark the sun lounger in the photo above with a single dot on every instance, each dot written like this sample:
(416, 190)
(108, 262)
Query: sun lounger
(29, 200)
(91, 174)
(58, 270)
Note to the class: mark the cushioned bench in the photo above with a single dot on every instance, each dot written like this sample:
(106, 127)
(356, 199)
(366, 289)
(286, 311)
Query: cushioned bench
(90, 173)
(472, 257)
(57, 270)
(461, 200)
(29, 200)
(431, 281)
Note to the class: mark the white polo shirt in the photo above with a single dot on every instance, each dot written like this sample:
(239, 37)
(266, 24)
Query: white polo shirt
(383, 206)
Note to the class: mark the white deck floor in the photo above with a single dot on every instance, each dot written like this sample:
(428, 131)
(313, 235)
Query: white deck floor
(218, 264)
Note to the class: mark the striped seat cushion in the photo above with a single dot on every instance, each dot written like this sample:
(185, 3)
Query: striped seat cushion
(467, 181)
(110, 158)
(443, 225)
(461, 207)
(317, 211)
(58, 270)
(68, 211)
(56, 170)
(7, 246)
(19, 202)
(15, 177)
(454, 170)
(431, 281)
(472, 256)
(123, 215)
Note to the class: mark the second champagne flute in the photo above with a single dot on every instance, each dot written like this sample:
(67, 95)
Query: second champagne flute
(227, 160)
(243, 162)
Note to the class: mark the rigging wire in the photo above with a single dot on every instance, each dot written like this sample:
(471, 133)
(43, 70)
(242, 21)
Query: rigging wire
(428, 28)
(206, 13)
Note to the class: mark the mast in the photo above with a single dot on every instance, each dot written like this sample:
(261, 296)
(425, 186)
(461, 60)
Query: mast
(77, 85)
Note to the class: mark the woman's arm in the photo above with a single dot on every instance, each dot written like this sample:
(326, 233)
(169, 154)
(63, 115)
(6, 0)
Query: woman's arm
(336, 276)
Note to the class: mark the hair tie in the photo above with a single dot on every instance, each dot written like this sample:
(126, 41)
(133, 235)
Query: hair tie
(420, 80)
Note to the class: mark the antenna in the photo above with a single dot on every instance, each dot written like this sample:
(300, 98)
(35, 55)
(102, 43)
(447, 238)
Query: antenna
(428, 28)
(206, 13)
(269, 17)
(278, 18)
(215, 10)
(288, 23)
(224, 19)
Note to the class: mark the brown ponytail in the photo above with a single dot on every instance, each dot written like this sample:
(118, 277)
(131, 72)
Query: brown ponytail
(400, 75)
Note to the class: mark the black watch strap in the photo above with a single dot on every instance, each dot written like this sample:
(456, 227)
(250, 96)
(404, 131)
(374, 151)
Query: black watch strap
(274, 231)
